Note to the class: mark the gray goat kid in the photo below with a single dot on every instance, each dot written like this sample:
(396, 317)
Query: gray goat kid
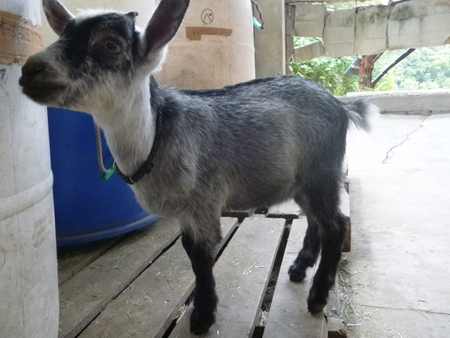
(249, 145)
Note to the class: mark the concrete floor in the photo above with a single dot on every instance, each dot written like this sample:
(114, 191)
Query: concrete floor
(397, 276)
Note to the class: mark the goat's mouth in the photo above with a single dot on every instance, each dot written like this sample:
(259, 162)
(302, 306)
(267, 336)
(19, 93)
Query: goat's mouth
(44, 93)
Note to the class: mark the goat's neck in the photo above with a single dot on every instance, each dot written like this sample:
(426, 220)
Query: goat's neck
(129, 128)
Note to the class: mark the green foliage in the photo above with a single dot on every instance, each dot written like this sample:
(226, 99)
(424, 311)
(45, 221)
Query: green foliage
(425, 68)
(328, 72)
(302, 40)
(386, 83)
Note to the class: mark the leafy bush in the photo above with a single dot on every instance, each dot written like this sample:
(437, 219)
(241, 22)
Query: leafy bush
(328, 72)
(426, 68)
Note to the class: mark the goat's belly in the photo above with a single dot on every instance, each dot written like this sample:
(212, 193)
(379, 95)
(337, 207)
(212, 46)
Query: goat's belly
(156, 203)
(260, 195)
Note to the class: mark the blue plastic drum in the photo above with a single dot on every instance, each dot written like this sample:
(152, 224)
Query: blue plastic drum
(86, 208)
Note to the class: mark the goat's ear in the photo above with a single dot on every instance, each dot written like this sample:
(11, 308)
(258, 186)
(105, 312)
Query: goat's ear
(57, 15)
(163, 25)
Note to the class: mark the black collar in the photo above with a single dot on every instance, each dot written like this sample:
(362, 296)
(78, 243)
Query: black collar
(148, 164)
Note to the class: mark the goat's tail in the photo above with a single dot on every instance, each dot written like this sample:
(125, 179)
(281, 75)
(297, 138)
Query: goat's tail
(360, 112)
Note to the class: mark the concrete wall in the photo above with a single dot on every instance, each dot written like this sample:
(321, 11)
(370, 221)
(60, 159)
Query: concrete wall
(375, 29)
(419, 23)
(270, 46)
(310, 20)
(419, 102)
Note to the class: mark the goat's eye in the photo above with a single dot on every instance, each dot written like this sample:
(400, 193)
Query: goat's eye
(111, 47)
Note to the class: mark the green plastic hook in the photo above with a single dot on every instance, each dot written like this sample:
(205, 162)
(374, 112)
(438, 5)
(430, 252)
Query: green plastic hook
(109, 172)
(257, 24)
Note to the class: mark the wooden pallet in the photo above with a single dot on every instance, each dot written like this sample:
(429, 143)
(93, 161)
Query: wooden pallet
(140, 285)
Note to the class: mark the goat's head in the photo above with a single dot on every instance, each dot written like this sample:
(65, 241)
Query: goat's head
(98, 55)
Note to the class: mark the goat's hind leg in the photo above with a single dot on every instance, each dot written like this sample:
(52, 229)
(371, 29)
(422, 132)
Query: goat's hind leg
(323, 207)
(307, 256)
(326, 229)
(332, 232)
(201, 252)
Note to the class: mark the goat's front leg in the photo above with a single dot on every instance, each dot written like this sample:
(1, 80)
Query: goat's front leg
(201, 252)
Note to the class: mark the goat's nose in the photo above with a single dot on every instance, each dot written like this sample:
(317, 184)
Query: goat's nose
(32, 68)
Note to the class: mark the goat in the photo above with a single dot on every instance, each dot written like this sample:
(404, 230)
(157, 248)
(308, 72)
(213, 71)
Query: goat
(248, 145)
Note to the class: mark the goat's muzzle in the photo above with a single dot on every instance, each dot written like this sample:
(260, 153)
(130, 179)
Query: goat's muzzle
(38, 82)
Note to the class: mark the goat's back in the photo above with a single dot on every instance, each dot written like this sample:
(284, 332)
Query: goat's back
(256, 138)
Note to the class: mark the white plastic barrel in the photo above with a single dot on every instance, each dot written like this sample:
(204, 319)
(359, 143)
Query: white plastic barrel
(213, 48)
(28, 268)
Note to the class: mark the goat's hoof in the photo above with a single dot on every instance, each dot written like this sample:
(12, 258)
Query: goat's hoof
(296, 274)
(316, 302)
(201, 321)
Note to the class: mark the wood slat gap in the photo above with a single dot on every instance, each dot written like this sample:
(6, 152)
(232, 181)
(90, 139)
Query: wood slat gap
(274, 275)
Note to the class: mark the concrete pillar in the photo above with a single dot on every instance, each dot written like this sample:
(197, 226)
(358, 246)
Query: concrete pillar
(270, 53)
(289, 35)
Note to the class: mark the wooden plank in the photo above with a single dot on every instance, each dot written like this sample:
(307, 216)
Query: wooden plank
(72, 261)
(242, 274)
(288, 314)
(333, 305)
(288, 210)
(336, 326)
(87, 293)
(147, 306)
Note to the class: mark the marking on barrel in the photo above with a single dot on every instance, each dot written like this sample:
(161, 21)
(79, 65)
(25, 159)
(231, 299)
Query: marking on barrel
(207, 16)
(42, 229)
(195, 33)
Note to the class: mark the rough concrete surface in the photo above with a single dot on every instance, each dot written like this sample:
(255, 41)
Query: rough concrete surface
(374, 29)
(396, 279)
